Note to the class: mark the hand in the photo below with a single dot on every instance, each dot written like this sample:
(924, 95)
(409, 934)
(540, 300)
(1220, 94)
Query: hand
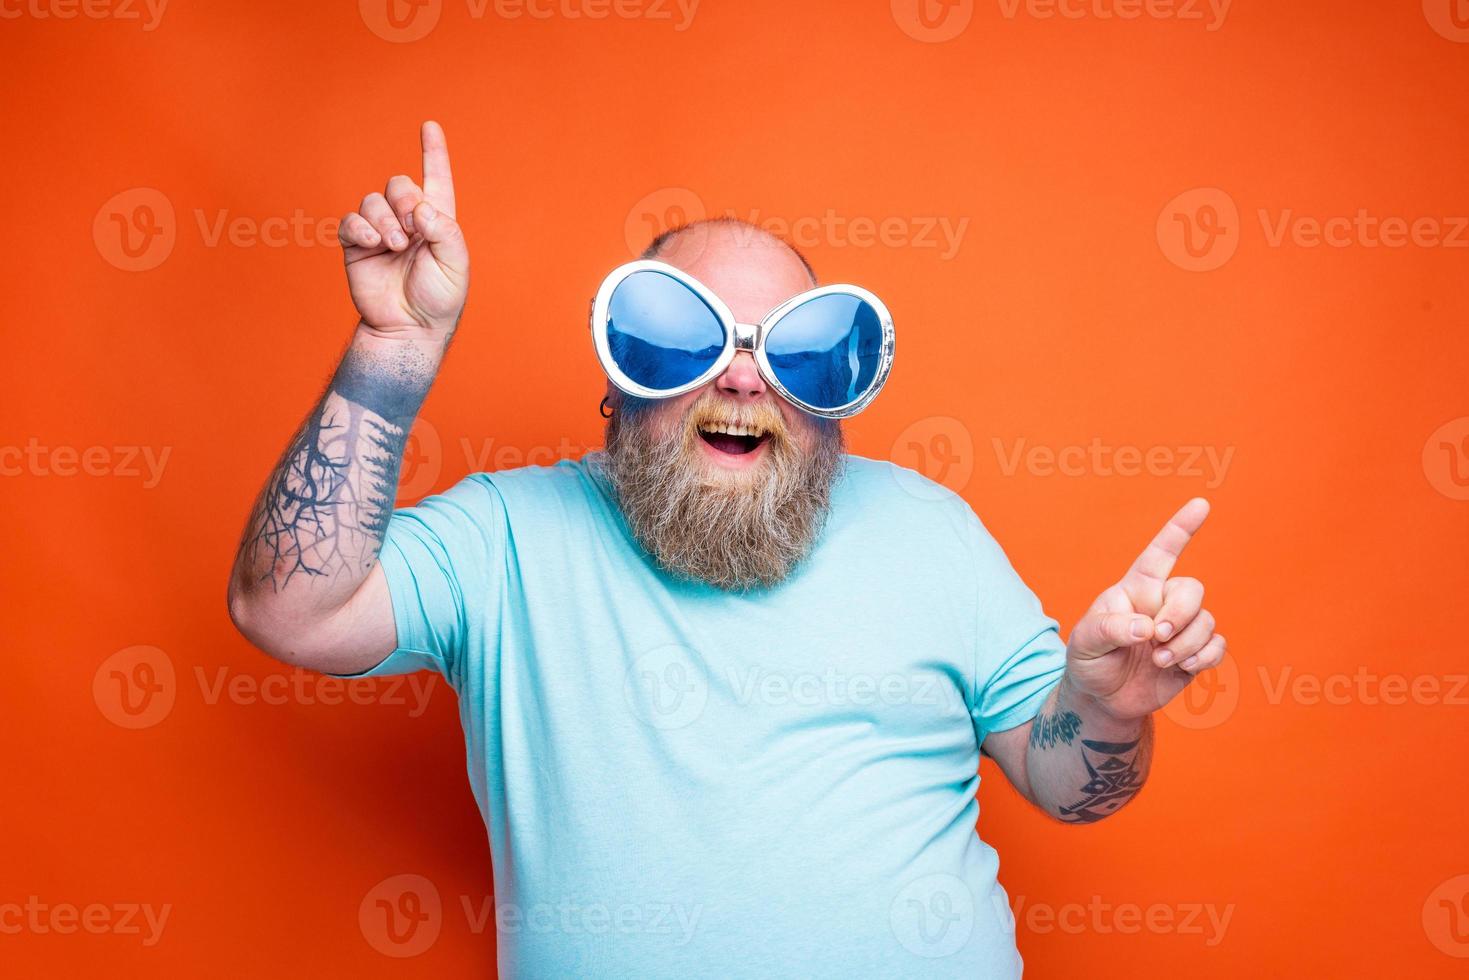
(1146, 637)
(407, 263)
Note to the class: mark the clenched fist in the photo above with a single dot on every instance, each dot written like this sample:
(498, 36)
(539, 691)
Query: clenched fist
(407, 263)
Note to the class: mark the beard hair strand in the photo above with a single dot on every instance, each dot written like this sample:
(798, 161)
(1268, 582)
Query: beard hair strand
(736, 531)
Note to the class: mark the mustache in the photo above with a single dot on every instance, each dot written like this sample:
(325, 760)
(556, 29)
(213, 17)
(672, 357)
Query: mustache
(762, 416)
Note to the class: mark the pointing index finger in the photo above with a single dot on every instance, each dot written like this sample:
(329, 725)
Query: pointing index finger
(1157, 560)
(438, 181)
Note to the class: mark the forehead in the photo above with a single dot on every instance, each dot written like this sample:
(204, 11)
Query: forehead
(750, 270)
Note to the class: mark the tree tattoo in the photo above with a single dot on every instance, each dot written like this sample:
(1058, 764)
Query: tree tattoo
(1057, 729)
(326, 506)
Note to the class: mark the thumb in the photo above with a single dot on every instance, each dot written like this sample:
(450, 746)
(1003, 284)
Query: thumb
(444, 237)
(1100, 633)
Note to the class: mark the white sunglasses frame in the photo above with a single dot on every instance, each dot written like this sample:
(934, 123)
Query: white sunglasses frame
(737, 337)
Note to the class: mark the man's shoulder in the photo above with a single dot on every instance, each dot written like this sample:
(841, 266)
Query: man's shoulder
(883, 485)
(566, 486)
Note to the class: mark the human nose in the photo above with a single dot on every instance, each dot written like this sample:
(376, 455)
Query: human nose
(741, 379)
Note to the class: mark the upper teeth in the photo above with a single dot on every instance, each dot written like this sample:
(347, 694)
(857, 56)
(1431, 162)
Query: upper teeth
(731, 430)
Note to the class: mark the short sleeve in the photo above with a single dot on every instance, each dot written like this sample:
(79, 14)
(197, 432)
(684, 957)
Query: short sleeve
(1019, 653)
(443, 561)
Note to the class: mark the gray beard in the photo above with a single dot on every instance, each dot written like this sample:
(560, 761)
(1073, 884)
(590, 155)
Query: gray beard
(734, 531)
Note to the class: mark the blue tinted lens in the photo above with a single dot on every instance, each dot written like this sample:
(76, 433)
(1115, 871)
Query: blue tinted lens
(661, 334)
(827, 350)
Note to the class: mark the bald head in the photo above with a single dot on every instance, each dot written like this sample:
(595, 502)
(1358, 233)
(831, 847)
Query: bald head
(749, 268)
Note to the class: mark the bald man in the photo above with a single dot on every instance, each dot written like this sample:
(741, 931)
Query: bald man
(724, 687)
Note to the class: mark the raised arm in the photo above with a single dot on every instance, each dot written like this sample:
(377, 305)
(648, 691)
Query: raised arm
(306, 587)
(1086, 754)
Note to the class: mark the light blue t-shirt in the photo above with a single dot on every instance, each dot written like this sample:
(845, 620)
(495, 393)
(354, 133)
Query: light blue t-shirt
(683, 782)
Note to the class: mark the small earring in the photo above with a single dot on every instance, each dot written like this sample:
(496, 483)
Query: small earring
(604, 408)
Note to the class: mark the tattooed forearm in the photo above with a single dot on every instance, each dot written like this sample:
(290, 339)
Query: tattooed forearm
(325, 508)
(1115, 773)
(1057, 728)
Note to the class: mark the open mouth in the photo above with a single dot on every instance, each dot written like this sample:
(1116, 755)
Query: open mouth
(736, 440)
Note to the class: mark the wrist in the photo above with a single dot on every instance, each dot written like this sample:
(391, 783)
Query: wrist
(1099, 720)
(429, 338)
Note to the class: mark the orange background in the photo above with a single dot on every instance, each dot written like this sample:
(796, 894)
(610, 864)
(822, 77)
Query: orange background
(1072, 311)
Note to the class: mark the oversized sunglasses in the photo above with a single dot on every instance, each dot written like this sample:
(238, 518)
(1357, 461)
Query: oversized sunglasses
(659, 332)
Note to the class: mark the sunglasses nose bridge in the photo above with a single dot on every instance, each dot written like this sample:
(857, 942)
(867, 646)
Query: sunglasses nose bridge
(746, 336)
